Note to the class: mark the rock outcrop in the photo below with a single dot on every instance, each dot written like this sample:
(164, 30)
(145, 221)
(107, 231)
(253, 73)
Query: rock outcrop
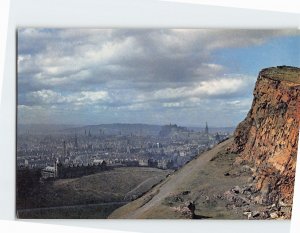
(267, 138)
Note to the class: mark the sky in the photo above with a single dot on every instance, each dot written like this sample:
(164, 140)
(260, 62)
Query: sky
(152, 76)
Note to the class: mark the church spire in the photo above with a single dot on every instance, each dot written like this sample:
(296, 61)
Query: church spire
(206, 128)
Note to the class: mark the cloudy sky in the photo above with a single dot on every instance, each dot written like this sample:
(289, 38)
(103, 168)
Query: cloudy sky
(155, 76)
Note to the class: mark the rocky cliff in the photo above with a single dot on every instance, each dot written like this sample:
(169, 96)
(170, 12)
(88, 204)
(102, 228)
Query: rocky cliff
(267, 139)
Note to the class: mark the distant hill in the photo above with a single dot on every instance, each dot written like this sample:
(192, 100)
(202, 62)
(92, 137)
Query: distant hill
(43, 128)
(109, 129)
(116, 129)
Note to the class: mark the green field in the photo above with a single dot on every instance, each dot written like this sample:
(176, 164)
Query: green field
(84, 197)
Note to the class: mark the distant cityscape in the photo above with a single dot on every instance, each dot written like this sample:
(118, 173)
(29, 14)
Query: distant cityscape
(62, 152)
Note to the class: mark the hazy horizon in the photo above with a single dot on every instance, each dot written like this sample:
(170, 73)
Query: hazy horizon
(116, 123)
(150, 76)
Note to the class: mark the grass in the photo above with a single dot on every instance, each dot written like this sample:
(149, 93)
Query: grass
(109, 185)
(103, 187)
(81, 212)
(283, 73)
(201, 181)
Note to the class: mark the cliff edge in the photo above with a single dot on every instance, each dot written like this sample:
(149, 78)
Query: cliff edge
(267, 138)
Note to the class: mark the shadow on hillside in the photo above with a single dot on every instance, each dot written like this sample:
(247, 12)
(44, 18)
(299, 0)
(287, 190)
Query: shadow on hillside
(200, 217)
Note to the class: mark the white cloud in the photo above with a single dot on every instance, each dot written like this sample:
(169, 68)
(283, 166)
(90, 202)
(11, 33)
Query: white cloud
(91, 96)
(46, 97)
(49, 97)
(219, 87)
(172, 104)
(66, 70)
(204, 89)
(170, 93)
(60, 56)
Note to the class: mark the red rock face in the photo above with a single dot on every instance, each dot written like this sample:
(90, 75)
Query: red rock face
(267, 139)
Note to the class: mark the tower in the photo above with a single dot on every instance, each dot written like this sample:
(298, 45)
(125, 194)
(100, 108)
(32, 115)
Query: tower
(206, 128)
(128, 150)
(57, 168)
(65, 149)
(76, 142)
(217, 137)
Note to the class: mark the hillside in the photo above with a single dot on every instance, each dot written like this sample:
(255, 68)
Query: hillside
(202, 182)
(92, 196)
(249, 176)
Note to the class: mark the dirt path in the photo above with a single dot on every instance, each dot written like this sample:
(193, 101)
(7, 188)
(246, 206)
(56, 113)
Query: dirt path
(178, 179)
(145, 182)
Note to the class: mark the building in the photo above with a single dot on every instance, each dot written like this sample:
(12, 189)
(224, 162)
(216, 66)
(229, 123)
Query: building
(52, 172)
(76, 142)
(60, 170)
(65, 149)
(48, 172)
(206, 129)
(98, 161)
(143, 162)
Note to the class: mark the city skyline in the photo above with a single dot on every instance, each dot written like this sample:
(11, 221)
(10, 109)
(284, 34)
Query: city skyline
(151, 76)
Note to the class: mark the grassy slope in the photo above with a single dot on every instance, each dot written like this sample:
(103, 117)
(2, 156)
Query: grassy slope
(198, 181)
(103, 187)
(107, 186)
(283, 73)
(94, 196)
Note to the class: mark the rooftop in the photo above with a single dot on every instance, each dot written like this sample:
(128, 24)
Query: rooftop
(49, 169)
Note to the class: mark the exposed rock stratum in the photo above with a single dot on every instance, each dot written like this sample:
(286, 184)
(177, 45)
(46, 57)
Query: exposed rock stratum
(267, 139)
